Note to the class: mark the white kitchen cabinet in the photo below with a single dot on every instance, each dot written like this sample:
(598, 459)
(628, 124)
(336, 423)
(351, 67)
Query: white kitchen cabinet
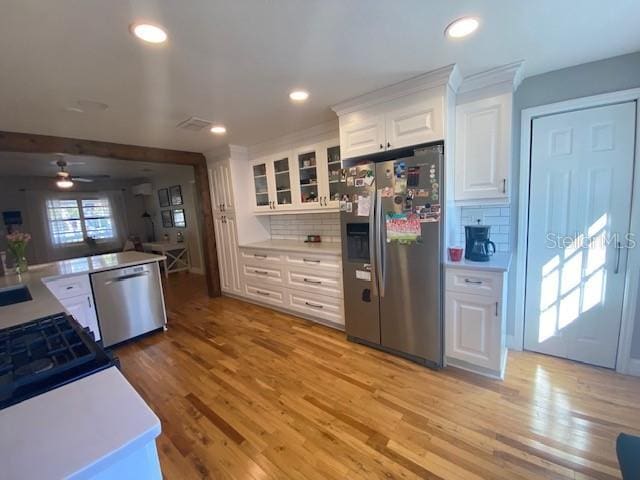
(300, 180)
(222, 187)
(401, 122)
(309, 285)
(82, 309)
(362, 134)
(475, 309)
(483, 150)
(227, 246)
(76, 296)
(410, 122)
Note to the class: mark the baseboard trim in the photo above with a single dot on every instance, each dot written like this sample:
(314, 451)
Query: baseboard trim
(512, 344)
(462, 365)
(633, 367)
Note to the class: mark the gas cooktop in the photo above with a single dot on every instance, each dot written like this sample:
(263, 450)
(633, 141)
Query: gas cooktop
(44, 354)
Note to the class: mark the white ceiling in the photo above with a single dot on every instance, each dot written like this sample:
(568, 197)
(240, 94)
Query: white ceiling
(40, 165)
(234, 61)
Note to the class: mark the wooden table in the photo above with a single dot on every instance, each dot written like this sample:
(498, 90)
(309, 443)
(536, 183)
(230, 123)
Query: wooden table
(177, 255)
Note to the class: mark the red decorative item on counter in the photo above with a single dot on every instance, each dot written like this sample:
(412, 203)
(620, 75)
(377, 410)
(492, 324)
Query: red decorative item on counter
(455, 253)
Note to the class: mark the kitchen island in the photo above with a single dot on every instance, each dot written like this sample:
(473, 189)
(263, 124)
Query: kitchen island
(94, 427)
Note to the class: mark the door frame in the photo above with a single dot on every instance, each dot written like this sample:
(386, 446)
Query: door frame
(624, 363)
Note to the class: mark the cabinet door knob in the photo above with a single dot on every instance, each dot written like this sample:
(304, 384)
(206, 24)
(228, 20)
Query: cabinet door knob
(496, 309)
(504, 185)
(381, 146)
(388, 145)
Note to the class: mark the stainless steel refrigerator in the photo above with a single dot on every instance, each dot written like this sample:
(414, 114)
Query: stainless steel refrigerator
(392, 236)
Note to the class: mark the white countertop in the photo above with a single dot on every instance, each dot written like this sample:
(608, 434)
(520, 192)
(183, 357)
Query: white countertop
(332, 248)
(43, 302)
(498, 262)
(77, 429)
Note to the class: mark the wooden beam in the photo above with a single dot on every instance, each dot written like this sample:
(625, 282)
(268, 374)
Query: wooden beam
(31, 143)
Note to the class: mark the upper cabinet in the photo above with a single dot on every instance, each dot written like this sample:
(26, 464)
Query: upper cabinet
(301, 180)
(401, 115)
(483, 150)
(402, 122)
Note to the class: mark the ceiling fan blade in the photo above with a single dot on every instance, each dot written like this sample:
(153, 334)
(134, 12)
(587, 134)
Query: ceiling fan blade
(82, 179)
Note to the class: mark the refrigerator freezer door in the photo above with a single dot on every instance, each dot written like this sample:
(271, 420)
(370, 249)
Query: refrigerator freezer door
(362, 319)
(410, 278)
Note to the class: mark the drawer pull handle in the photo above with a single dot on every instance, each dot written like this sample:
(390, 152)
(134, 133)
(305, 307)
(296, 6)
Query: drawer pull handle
(473, 282)
(313, 305)
(310, 261)
(256, 255)
(260, 292)
(261, 272)
(70, 287)
(315, 282)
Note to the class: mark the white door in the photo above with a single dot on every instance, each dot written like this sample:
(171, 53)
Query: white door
(216, 189)
(473, 329)
(224, 172)
(411, 123)
(483, 149)
(81, 308)
(580, 201)
(362, 135)
(224, 264)
(232, 254)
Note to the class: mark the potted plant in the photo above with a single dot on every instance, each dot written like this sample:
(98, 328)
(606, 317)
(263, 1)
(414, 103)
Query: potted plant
(17, 245)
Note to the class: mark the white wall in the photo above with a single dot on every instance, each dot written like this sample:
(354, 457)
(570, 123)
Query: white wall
(191, 209)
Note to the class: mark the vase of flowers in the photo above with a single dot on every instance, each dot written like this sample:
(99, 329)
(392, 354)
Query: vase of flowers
(17, 245)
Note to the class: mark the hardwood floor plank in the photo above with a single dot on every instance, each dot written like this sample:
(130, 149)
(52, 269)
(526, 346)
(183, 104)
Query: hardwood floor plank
(244, 392)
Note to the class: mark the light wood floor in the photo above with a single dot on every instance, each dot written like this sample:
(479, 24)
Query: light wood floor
(247, 393)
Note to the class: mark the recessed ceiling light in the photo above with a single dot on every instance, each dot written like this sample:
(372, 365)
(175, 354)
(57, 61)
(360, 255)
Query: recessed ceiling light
(218, 129)
(299, 95)
(462, 27)
(149, 33)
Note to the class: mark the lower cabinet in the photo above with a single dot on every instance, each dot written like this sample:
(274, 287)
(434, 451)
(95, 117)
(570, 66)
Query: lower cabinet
(309, 285)
(475, 337)
(76, 296)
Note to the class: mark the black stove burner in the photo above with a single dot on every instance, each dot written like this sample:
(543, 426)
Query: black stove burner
(44, 354)
(36, 366)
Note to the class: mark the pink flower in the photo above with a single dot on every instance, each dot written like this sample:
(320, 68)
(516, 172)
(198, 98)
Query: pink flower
(18, 237)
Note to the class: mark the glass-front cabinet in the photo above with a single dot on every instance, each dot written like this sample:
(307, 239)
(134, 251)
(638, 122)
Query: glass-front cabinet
(261, 186)
(303, 179)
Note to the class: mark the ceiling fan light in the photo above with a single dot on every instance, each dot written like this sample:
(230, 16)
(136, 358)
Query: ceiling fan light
(64, 182)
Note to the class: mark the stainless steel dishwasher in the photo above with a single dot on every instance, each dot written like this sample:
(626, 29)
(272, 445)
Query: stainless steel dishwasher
(129, 302)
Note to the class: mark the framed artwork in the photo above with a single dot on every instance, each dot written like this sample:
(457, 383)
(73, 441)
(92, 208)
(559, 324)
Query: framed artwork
(167, 218)
(175, 193)
(163, 197)
(179, 220)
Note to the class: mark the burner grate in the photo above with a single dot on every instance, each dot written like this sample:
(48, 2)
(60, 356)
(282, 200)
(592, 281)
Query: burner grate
(38, 349)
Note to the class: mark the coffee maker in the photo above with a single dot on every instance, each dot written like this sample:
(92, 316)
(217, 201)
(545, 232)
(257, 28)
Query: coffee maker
(478, 247)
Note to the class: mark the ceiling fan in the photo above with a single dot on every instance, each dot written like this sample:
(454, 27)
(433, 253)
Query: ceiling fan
(65, 180)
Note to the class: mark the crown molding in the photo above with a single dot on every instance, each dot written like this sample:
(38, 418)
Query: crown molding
(317, 133)
(445, 76)
(511, 73)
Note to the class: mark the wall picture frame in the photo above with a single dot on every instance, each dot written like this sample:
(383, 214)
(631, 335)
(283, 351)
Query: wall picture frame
(163, 197)
(167, 218)
(179, 218)
(175, 195)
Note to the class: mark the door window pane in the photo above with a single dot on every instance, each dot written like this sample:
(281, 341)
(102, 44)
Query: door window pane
(308, 177)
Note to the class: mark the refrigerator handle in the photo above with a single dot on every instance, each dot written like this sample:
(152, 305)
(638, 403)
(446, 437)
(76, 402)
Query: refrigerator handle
(380, 246)
(372, 249)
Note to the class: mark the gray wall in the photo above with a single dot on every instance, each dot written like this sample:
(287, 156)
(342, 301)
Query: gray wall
(603, 76)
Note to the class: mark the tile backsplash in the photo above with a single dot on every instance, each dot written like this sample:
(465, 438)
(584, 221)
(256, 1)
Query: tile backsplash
(298, 226)
(498, 217)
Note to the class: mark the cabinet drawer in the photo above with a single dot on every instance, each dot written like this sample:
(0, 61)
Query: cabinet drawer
(259, 274)
(68, 287)
(315, 281)
(474, 282)
(320, 306)
(265, 294)
(328, 262)
(260, 257)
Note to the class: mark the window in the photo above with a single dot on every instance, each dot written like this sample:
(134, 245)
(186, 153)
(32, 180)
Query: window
(73, 220)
